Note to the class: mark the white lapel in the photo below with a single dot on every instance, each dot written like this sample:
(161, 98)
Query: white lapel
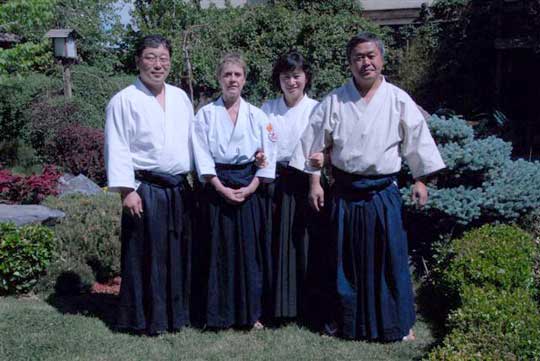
(367, 114)
(153, 102)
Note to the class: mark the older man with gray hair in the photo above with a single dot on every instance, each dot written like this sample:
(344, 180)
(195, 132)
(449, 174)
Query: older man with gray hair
(368, 126)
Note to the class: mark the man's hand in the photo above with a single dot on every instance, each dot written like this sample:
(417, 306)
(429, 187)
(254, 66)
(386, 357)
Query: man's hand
(316, 160)
(133, 202)
(260, 159)
(419, 194)
(316, 193)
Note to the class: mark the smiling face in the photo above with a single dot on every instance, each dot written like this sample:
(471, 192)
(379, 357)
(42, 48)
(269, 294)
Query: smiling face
(154, 66)
(366, 63)
(232, 79)
(293, 84)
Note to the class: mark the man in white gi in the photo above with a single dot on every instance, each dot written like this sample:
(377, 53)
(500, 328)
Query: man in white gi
(147, 154)
(369, 125)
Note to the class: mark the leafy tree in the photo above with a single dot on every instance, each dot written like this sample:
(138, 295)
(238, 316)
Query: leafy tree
(328, 7)
(97, 22)
(29, 19)
(320, 30)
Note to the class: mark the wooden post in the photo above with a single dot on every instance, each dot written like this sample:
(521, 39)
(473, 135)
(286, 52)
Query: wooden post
(66, 66)
(185, 47)
(66, 75)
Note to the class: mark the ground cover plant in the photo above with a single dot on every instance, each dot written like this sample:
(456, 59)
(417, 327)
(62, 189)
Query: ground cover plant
(31, 189)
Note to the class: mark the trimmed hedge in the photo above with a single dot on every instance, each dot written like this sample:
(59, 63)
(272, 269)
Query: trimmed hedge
(491, 256)
(25, 253)
(488, 278)
(492, 324)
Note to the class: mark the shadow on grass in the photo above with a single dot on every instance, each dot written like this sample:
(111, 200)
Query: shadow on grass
(72, 297)
(433, 309)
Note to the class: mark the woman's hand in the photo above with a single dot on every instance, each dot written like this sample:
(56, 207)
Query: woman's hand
(245, 192)
(316, 193)
(231, 195)
(316, 160)
(260, 159)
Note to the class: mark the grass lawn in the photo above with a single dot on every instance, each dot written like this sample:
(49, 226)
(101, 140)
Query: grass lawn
(76, 328)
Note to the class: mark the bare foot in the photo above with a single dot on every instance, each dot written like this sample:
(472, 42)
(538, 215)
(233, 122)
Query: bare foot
(258, 326)
(410, 337)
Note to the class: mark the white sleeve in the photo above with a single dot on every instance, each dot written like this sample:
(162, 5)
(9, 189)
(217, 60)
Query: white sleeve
(118, 158)
(418, 147)
(317, 137)
(191, 116)
(204, 162)
(268, 146)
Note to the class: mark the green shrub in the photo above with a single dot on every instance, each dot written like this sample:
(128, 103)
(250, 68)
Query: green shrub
(92, 90)
(25, 253)
(498, 256)
(492, 324)
(88, 238)
(16, 95)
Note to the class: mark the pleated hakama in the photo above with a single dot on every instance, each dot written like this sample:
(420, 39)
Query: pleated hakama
(374, 286)
(236, 252)
(156, 257)
(290, 240)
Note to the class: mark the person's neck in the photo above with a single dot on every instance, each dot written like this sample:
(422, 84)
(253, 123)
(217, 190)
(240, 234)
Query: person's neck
(367, 88)
(230, 102)
(154, 89)
(291, 102)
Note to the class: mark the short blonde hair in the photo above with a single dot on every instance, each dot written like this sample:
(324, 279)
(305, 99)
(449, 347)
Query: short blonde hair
(231, 58)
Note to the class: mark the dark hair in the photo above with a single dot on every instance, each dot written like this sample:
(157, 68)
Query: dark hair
(153, 41)
(364, 37)
(289, 62)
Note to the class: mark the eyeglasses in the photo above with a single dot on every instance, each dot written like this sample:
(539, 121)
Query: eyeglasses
(163, 60)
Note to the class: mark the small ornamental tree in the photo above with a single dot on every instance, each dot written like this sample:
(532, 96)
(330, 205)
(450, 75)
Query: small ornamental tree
(481, 184)
(79, 150)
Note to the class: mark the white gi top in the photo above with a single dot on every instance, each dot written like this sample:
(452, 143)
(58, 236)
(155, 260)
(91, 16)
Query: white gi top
(369, 139)
(217, 140)
(288, 123)
(140, 135)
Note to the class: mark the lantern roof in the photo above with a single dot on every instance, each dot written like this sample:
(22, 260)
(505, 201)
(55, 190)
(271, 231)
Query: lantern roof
(60, 33)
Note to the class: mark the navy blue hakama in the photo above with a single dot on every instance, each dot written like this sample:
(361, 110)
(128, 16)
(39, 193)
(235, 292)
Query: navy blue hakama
(236, 251)
(373, 280)
(155, 260)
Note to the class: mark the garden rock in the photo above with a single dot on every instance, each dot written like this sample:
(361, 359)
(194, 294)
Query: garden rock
(69, 184)
(31, 213)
